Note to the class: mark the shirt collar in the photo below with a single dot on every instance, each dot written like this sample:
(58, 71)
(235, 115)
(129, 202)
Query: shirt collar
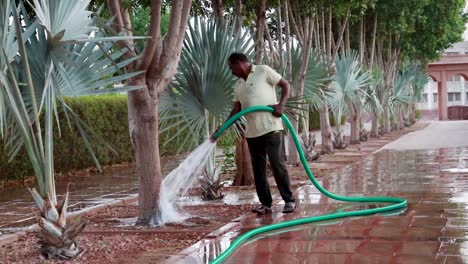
(253, 68)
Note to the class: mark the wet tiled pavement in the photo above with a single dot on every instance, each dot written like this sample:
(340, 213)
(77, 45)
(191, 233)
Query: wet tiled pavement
(432, 229)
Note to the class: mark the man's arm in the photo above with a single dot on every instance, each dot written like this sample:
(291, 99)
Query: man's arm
(285, 90)
(236, 108)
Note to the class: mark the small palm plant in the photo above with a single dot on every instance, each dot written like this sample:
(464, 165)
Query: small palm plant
(59, 54)
(200, 97)
(348, 93)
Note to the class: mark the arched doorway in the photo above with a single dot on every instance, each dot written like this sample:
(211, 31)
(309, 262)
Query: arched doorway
(451, 75)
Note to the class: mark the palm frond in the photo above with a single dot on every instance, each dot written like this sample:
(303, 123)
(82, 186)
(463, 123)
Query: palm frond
(204, 83)
(372, 102)
(64, 20)
(316, 78)
(45, 67)
(348, 83)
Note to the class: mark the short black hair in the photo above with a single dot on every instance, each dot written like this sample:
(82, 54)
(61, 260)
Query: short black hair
(237, 57)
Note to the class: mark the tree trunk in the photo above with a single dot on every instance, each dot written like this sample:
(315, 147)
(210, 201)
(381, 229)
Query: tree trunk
(260, 25)
(326, 131)
(347, 41)
(287, 40)
(143, 126)
(280, 36)
(239, 19)
(307, 30)
(386, 117)
(374, 37)
(354, 118)
(244, 171)
(375, 125)
(362, 40)
(412, 115)
(159, 60)
(218, 10)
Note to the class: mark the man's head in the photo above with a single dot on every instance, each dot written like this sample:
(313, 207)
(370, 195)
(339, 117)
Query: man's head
(239, 64)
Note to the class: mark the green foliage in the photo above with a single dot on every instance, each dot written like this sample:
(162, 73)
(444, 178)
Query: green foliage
(200, 96)
(228, 144)
(58, 54)
(314, 120)
(348, 83)
(424, 27)
(418, 114)
(440, 24)
(107, 116)
(141, 16)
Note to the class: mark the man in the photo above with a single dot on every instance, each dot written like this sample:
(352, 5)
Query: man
(264, 132)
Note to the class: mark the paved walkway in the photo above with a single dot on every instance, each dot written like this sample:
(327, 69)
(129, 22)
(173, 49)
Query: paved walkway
(432, 229)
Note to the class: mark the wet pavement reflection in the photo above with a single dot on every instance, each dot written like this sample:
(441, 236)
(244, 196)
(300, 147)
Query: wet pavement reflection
(432, 229)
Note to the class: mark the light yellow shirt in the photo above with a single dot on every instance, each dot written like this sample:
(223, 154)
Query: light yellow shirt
(259, 89)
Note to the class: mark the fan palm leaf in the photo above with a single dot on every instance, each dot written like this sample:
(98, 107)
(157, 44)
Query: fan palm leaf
(348, 84)
(316, 78)
(372, 102)
(401, 93)
(202, 90)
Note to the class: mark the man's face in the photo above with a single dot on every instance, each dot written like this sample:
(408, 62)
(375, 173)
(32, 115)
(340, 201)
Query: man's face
(236, 68)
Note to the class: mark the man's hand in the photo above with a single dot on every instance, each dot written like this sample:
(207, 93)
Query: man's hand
(212, 139)
(277, 110)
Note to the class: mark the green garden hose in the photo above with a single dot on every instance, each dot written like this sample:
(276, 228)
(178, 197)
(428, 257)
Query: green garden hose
(397, 203)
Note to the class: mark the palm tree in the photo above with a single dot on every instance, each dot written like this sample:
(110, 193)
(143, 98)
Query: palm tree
(57, 55)
(420, 80)
(372, 104)
(200, 96)
(348, 92)
(401, 95)
(315, 92)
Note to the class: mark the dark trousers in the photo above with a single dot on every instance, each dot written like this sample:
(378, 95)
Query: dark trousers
(270, 145)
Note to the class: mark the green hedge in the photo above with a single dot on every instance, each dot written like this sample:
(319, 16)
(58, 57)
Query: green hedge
(106, 115)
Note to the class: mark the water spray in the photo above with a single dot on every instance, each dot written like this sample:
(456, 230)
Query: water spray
(395, 203)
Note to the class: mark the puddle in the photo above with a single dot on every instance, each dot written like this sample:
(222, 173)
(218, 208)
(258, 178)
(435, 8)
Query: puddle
(456, 170)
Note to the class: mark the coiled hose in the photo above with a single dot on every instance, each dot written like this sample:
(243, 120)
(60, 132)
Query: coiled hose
(397, 203)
